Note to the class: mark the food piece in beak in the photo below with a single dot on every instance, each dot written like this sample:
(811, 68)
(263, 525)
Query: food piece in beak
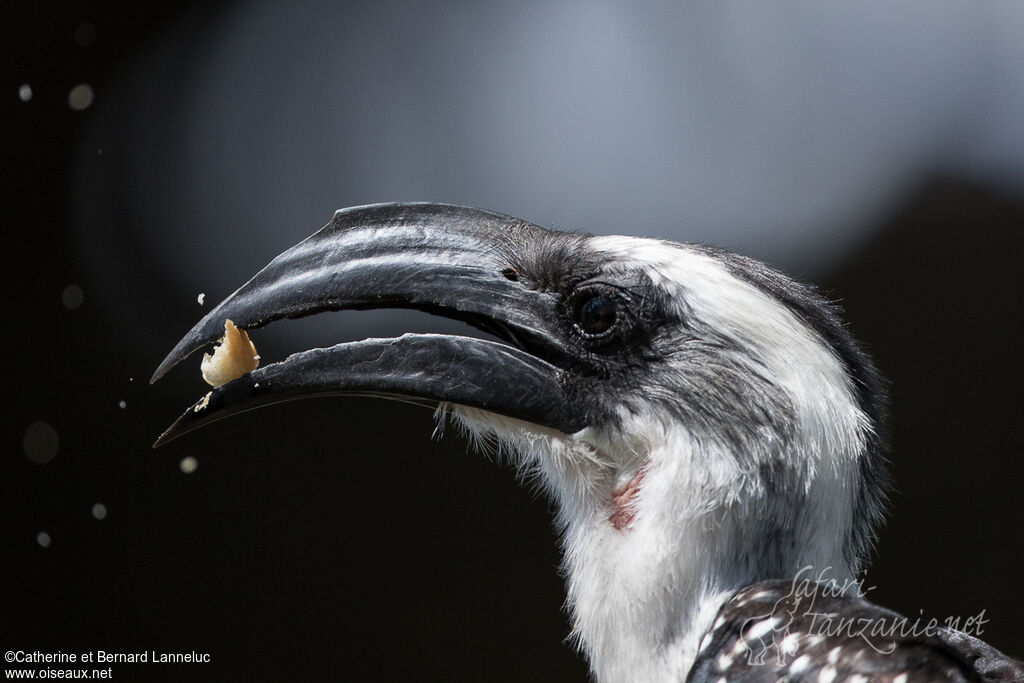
(235, 356)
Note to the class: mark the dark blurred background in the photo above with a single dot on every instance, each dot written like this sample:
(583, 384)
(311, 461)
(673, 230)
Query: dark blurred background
(155, 151)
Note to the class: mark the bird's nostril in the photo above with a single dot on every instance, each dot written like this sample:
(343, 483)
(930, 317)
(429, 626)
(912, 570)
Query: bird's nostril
(510, 274)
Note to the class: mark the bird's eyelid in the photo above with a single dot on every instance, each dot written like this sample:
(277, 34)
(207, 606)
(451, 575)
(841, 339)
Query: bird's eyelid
(631, 292)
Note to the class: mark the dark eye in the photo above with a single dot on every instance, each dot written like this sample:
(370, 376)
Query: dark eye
(595, 314)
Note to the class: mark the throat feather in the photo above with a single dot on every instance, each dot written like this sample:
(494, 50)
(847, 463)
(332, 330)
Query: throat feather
(623, 502)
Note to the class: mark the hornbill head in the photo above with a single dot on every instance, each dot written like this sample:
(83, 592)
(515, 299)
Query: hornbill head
(701, 421)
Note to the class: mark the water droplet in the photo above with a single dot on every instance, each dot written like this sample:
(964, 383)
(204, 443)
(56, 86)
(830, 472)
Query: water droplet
(25, 92)
(43, 539)
(72, 296)
(80, 97)
(99, 511)
(188, 464)
(40, 442)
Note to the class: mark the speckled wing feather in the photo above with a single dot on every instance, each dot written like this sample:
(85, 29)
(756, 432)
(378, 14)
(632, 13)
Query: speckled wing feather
(816, 632)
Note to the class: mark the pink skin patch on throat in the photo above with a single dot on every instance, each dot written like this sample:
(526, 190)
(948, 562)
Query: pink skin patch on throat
(623, 508)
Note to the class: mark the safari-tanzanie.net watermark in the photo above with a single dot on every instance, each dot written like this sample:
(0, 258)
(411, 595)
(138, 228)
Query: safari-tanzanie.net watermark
(804, 615)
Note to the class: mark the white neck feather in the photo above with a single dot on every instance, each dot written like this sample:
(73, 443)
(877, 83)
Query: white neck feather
(643, 597)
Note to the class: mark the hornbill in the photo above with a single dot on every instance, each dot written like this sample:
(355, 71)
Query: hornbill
(708, 429)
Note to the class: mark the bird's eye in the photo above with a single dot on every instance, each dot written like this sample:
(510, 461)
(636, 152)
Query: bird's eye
(595, 314)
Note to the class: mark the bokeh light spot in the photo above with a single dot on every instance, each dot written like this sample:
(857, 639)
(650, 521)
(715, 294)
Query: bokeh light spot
(72, 296)
(85, 34)
(80, 97)
(40, 442)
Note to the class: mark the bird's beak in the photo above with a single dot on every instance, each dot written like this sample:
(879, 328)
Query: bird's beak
(444, 259)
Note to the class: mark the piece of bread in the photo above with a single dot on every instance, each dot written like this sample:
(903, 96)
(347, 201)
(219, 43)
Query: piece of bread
(233, 357)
